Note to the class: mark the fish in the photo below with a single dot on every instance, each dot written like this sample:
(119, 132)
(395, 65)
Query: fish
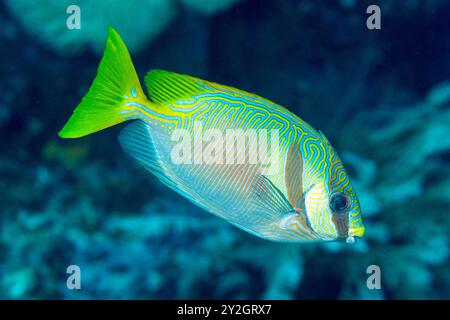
(235, 154)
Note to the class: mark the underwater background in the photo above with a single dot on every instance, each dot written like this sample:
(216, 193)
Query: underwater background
(382, 97)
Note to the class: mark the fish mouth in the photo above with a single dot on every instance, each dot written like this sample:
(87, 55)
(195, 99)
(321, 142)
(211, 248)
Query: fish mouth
(355, 232)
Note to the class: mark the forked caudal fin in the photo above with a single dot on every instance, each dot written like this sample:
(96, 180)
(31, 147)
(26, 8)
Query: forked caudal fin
(116, 83)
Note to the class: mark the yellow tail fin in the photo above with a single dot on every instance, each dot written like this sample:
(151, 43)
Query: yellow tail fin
(115, 84)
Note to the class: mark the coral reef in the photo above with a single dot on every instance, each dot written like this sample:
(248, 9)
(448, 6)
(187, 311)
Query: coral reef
(149, 18)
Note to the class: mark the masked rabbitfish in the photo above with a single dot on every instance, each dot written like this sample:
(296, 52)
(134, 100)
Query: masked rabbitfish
(306, 195)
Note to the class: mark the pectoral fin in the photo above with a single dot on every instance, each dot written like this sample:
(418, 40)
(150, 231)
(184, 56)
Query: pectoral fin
(270, 198)
(291, 225)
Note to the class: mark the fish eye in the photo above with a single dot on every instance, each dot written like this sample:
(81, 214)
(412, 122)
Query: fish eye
(339, 202)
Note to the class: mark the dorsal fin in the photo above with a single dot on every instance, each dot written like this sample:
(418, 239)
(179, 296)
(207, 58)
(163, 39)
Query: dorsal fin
(165, 86)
